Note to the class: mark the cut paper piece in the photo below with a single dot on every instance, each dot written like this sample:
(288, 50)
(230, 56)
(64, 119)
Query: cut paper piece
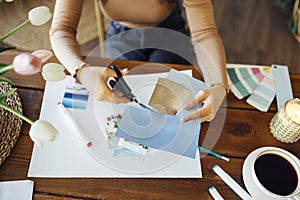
(244, 80)
(20, 189)
(164, 132)
(117, 143)
(168, 96)
(263, 95)
(76, 96)
(283, 88)
(192, 84)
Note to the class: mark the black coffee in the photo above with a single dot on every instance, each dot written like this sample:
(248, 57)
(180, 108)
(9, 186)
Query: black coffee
(276, 174)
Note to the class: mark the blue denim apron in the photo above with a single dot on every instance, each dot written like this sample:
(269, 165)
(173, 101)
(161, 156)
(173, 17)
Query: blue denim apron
(169, 42)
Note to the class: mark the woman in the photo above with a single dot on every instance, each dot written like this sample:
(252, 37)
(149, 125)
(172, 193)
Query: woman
(138, 15)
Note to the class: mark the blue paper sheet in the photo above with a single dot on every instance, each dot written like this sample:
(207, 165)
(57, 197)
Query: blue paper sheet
(164, 132)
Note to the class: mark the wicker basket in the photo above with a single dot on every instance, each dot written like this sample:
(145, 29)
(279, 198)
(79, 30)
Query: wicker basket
(10, 124)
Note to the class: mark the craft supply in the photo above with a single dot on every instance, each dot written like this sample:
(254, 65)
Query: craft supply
(283, 88)
(133, 146)
(82, 136)
(214, 193)
(164, 132)
(120, 84)
(16, 189)
(253, 80)
(76, 96)
(285, 125)
(263, 95)
(231, 183)
(201, 148)
(243, 79)
(169, 96)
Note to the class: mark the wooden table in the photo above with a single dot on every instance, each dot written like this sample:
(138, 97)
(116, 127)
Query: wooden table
(245, 129)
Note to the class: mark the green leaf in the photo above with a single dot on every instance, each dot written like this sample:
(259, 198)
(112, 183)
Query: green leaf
(6, 80)
(4, 48)
(1, 1)
(3, 96)
(3, 65)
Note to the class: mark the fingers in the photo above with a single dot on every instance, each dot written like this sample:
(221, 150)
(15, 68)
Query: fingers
(204, 113)
(212, 99)
(200, 97)
(124, 71)
(103, 93)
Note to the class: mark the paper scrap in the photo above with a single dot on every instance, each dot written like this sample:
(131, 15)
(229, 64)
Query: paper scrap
(20, 189)
(164, 132)
(282, 84)
(168, 96)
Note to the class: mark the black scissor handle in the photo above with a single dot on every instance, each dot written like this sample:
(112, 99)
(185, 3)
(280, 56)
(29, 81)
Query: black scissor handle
(113, 67)
(119, 83)
(111, 82)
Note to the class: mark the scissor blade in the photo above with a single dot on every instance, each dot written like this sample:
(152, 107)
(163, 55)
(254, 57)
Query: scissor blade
(145, 106)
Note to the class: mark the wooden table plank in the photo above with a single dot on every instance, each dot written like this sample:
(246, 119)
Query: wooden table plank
(243, 132)
(16, 167)
(245, 129)
(236, 141)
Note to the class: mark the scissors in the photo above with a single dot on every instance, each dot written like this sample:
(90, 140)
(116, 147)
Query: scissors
(120, 84)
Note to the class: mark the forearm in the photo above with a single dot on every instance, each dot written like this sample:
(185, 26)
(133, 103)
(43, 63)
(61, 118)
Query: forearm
(63, 34)
(207, 42)
(67, 52)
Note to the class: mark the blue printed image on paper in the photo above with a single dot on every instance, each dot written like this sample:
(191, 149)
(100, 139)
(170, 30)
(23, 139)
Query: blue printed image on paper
(75, 96)
(164, 132)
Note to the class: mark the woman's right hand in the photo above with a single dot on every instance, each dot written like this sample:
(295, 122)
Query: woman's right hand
(94, 78)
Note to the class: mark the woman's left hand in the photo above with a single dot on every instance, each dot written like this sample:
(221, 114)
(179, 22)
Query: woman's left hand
(211, 98)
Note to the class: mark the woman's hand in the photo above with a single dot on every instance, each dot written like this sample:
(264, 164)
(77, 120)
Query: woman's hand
(212, 99)
(95, 80)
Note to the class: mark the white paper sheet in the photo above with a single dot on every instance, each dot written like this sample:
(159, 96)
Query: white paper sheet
(21, 190)
(66, 157)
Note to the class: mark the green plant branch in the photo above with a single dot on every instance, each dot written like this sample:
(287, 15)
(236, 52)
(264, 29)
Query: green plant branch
(5, 69)
(3, 105)
(15, 30)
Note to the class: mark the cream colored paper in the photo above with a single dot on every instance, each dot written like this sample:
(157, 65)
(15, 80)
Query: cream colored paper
(168, 96)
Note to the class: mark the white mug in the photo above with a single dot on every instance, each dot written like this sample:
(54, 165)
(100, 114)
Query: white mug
(250, 176)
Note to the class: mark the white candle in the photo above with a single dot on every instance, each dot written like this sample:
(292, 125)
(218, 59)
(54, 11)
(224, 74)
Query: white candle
(293, 111)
